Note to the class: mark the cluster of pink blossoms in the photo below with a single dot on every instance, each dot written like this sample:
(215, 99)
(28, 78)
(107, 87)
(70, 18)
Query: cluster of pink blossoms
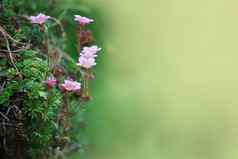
(67, 86)
(39, 19)
(88, 54)
(87, 57)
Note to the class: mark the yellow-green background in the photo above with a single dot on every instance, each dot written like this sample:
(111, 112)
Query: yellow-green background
(167, 83)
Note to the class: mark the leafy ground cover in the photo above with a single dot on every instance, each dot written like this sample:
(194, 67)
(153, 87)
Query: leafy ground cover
(42, 86)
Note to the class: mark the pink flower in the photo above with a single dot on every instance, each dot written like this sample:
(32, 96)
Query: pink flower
(86, 62)
(90, 52)
(50, 82)
(83, 20)
(39, 19)
(87, 57)
(70, 86)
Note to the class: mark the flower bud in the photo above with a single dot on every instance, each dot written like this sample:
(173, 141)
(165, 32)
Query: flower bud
(58, 71)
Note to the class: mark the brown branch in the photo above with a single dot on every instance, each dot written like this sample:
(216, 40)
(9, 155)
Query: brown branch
(4, 116)
(4, 32)
(6, 36)
(16, 51)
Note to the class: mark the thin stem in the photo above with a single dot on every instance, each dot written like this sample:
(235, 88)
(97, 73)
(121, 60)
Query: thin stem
(85, 94)
(63, 34)
(78, 38)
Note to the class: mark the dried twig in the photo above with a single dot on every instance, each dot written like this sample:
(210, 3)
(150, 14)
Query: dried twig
(6, 36)
(2, 86)
(4, 32)
(4, 116)
(18, 50)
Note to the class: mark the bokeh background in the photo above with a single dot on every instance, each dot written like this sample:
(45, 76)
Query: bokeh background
(166, 83)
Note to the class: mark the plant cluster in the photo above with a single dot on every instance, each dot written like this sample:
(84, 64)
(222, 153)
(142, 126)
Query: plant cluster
(42, 88)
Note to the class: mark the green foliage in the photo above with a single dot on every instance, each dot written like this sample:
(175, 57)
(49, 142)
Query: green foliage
(48, 113)
(8, 91)
(33, 71)
(44, 127)
(40, 105)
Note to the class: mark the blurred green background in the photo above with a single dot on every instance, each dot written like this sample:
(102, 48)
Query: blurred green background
(166, 82)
